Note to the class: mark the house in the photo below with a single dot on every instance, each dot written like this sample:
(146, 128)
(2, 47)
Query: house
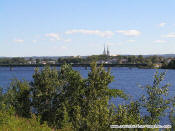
(29, 62)
(100, 62)
(122, 61)
(33, 62)
(157, 65)
(43, 62)
(169, 60)
(51, 62)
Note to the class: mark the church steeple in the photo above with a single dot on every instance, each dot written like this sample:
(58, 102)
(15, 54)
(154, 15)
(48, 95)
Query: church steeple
(104, 51)
(108, 53)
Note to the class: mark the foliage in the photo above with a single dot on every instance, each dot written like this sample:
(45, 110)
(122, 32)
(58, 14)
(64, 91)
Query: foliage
(62, 99)
(172, 114)
(44, 89)
(15, 60)
(154, 101)
(96, 109)
(128, 114)
(13, 123)
(18, 96)
(170, 65)
(150, 61)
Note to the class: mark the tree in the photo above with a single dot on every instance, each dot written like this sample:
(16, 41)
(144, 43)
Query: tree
(171, 65)
(18, 96)
(96, 108)
(140, 59)
(128, 114)
(38, 61)
(155, 100)
(45, 88)
(71, 97)
(172, 113)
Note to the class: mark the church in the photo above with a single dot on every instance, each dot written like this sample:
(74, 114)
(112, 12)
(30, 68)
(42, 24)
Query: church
(106, 51)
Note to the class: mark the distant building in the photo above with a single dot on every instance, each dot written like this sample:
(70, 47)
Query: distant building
(51, 62)
(106, 52)
(29, 62)
(78, 56)
(43, 62)
(169, 60)
(33, 62)
(158, 65)
(114, 55)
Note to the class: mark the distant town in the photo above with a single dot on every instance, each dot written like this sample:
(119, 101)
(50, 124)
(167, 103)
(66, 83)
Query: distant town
(151, 61)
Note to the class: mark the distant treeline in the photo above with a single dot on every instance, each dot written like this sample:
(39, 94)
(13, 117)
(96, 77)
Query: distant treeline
(150, 61)
(63, 99)
(170, 65)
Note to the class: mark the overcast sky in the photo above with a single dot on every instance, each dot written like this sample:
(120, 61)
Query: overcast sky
(81, 27)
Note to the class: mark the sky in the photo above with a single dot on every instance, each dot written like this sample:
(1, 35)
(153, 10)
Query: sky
(82, 27)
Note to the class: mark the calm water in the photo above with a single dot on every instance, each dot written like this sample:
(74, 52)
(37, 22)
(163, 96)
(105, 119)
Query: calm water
(125, 79)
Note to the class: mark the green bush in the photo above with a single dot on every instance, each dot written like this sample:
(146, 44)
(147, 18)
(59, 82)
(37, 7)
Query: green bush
(15, 123)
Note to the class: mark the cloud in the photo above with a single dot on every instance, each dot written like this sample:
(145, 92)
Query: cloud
(67, 40)
(64, 47)
(131, 41)
(159, 41)
(129, 32)
(53, 36)
(18, 40)
(34, 41)
(107, 34)
(59, 48)
(170, 35)
(114, 43)
(162, 24)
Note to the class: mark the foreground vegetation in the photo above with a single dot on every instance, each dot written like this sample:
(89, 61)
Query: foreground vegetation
(64, 100)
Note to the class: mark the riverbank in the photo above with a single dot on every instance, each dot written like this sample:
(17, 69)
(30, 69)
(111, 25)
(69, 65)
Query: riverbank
(73, 65)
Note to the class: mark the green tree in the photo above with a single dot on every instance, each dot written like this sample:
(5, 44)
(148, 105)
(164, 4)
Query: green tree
(128, 114)
(38, 61)
(155, 100)
(172, 114)
(85, 102)
(45, 87)
(18, 96)
(71, 97)
(96, 108)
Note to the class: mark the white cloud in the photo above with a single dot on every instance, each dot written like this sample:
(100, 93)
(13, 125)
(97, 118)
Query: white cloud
(131, 41)
(159, 41)
(114, 43)
(67, 40)
(110, 44)
(162, 24)
(34, 41)
(53, 36)
(64, 47)
(107, 34)
(18, 40)
(129, 32)
(59, 48)
(170, 35)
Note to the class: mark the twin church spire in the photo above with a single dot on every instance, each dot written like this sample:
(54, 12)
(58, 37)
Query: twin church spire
(106, 51)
